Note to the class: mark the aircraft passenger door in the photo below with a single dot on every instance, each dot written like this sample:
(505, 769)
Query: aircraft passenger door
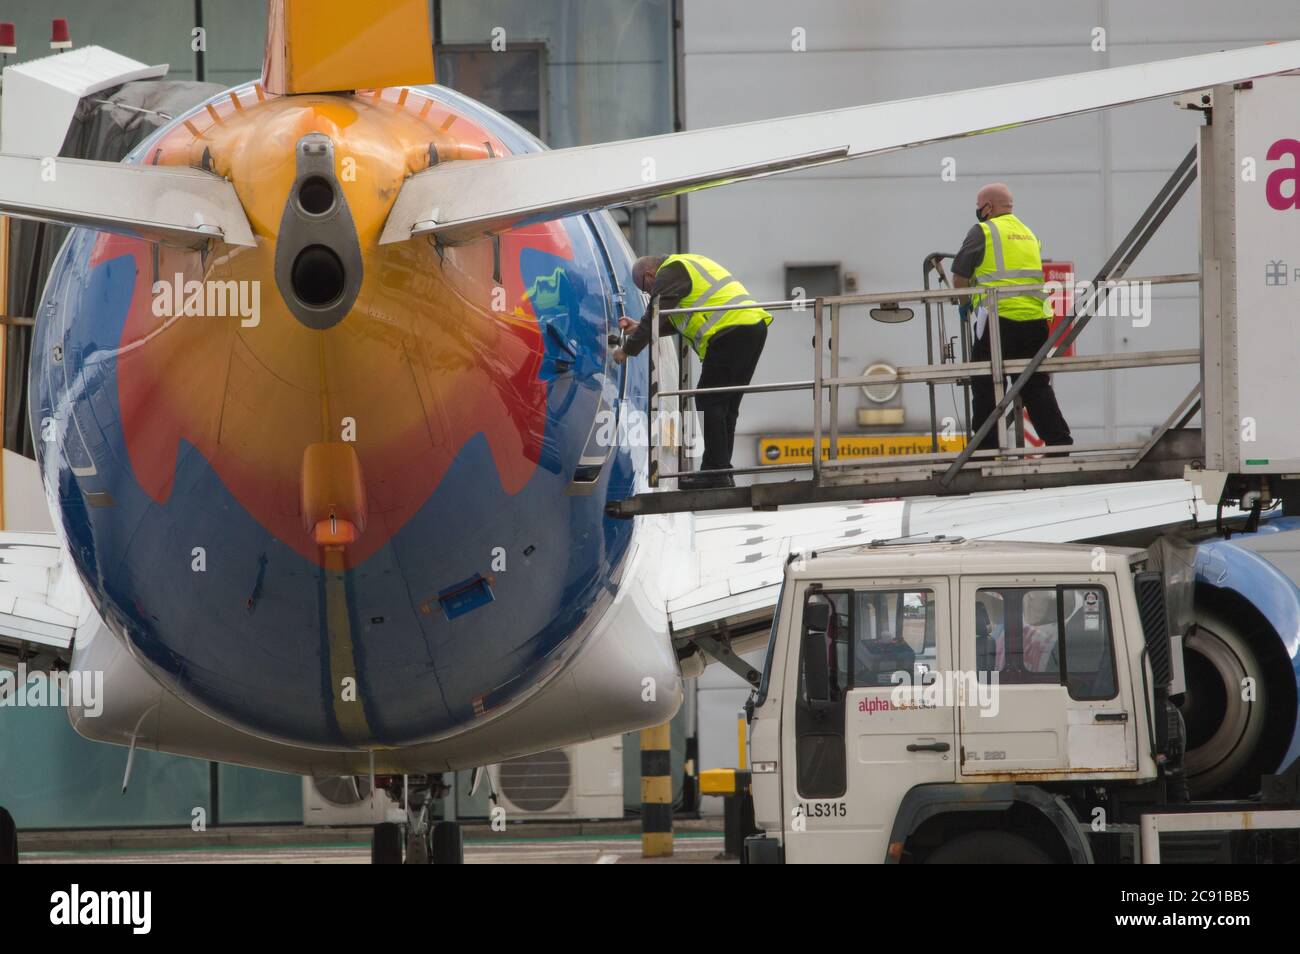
(1034, 701)
(603, 436)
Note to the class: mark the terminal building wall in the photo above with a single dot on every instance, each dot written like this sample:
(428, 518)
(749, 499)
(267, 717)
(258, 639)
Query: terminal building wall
(1080, 183)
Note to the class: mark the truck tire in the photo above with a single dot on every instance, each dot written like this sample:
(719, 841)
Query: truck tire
(988, 848)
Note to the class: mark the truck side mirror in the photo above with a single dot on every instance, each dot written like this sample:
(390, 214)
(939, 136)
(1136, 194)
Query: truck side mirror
(816, 669)
(817, 617)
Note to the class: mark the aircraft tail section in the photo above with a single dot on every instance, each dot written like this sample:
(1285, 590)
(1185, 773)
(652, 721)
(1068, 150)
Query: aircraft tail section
(324, 46)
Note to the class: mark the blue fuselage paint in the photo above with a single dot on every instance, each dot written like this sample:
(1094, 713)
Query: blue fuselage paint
(245, 638)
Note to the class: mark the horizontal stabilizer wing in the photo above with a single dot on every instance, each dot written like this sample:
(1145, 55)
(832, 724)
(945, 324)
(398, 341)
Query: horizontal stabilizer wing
(419, 209)
(463, 200)
(173, 204)
(742, 556)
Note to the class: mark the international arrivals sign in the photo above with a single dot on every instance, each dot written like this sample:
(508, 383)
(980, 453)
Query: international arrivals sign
(798, 450)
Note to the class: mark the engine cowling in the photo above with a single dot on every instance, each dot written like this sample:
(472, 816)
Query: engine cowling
(1241, 662)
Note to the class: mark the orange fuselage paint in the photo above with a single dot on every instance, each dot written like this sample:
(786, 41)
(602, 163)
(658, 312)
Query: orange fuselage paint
(421, 364)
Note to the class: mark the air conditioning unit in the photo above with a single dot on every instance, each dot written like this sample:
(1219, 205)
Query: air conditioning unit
(345, 800)
(578, 781)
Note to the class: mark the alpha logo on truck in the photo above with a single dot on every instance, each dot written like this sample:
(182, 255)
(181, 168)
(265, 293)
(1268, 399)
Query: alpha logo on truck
(1273, 187)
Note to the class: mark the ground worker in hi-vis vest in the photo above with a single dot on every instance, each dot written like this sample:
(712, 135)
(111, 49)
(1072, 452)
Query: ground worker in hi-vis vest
(728, 339)
(1000, 250)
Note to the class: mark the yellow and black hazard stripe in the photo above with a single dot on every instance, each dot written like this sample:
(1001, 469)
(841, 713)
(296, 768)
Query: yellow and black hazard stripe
(656, 793)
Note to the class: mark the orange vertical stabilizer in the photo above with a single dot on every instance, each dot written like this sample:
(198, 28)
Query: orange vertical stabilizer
(324, 46)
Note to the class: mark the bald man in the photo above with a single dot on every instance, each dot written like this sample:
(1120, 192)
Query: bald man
(1002, 251)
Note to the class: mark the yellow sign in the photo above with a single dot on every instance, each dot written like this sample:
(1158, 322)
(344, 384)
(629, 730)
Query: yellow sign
(798, 450)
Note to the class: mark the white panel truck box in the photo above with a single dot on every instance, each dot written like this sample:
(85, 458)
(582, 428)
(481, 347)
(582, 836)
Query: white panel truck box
(1249, 156)
(954, 701)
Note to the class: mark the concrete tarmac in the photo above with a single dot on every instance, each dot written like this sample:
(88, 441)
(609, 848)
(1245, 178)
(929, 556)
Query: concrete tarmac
(688, 848)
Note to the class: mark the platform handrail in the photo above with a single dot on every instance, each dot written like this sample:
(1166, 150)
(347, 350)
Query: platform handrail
(827, 308)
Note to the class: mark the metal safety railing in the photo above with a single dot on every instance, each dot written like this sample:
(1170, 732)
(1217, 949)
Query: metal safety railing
(1169, 450)
(1009, 457)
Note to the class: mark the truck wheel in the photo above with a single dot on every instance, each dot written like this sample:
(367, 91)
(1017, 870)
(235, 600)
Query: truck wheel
(988, 848)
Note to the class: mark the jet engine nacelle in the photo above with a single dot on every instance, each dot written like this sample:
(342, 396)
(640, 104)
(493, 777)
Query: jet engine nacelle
(1242, 662)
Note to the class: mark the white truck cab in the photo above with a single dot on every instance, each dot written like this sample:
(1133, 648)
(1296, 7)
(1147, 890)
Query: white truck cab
(956, 701)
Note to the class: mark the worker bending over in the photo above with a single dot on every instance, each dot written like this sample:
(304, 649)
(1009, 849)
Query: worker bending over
(1000, 250)
(729, 340)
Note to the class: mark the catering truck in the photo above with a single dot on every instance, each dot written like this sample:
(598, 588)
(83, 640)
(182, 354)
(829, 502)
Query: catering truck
(968, 701)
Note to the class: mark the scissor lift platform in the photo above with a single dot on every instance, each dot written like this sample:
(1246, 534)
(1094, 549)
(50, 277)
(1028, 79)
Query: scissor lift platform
(1246, 445)
(1168, 458)
(1167, 453)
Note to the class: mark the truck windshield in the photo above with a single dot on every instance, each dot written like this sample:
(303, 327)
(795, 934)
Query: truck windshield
(771, 648)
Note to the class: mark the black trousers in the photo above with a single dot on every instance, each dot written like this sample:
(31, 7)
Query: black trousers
(731, 359)
(1020, 339)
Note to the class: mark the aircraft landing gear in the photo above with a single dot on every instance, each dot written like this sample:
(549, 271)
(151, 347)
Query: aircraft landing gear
(446, 844)
(386, 844)
(417, 846)
(425, 841)
(8, 839)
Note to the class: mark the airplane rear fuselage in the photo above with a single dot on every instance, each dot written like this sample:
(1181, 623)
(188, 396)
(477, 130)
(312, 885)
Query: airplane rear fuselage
(356, 533)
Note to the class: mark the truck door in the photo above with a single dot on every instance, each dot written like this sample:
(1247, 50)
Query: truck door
(865, 729)
(1045, 693)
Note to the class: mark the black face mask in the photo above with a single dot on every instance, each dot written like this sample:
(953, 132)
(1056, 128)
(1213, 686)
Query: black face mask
(979, 214)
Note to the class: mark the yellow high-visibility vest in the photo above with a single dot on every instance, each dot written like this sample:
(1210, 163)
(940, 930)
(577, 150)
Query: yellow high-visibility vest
(711, 284)
(1012, 256)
